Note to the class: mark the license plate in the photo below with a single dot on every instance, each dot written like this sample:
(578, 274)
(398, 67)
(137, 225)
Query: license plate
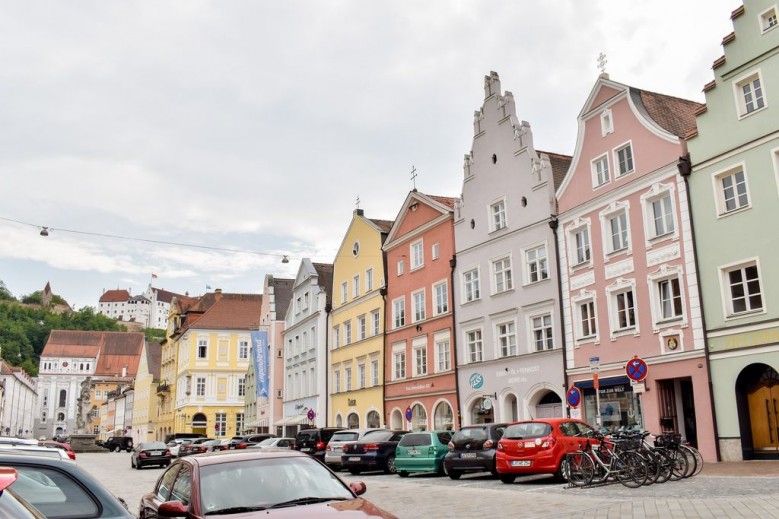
(156, 453)
(520, 463)
(337, 449)
(467, 454)
(529, 445)
(306, 449)
(354, 459)
(413, 452)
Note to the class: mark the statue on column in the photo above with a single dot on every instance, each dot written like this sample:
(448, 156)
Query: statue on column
(83, 405)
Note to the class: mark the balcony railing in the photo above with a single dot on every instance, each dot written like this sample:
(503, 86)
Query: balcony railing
(163, 388)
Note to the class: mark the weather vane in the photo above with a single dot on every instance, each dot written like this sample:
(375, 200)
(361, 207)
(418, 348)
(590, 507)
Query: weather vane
(357, 201)
(602, 62)
(414, 176)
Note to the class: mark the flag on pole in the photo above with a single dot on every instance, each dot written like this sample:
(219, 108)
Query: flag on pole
(153, 276)
(208, 287)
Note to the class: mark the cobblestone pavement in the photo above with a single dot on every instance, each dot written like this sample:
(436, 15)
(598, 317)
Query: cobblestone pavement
(739, 490)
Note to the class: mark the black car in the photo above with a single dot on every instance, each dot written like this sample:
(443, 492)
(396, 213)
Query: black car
(375, 451)
(314, 441)
(196, 446)
(150, 453)
(244, 440)
(119, 443)
(472, 449)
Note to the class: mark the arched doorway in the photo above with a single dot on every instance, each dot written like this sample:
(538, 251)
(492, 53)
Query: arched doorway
(549, 406)
(352, 421)
(199, 423)
(374, 420)
(339, 421)
(482, 411)
(443, 417)
(510, 411)
(418, 418)
(396, 420)
(757, 401)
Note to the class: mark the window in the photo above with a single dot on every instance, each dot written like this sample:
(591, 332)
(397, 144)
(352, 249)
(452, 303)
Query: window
(347, 332)
(542, 332)
(417, 255)
(399, 365)
(441, 292)
(732, 190)
(618, 231)
(344, 291)
(471, 285)
(768, 19)
(600, 170)
(362, 331)
(375, 319)
(53, 490)
(401, 267)
(625, 310)
(369, 280)
(305, 301)
(347, 379)
(243, 350)
(202, 348)
(336, 337)
(356, 286)
(443, 355)
(581, 243)
(662, 215)
(336, 380)
(587, 320)
(63, 398)
(744, 291)
(375, 372)
(624, 159)
(361, 375)
(606, 123)
(498, 214)
(503, 280)
(434, 252)
(220, 424)
(200, 386)
(241, 386)
(670, 298)
(399, 312)
(536, 264)
(507, 339)
(238, 422)
(418, 302)
(420, 360)
(749, 93)
(474, 345)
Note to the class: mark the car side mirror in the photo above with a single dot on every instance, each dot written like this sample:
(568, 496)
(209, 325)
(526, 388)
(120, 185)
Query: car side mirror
(358, 487)
(172, 509)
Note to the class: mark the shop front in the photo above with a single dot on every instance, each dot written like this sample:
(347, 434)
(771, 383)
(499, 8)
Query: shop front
(426, 404)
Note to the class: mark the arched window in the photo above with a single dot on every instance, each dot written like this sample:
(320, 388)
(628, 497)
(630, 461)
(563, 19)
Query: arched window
(443, 417)
(60, 417)
(374, 420)
(418, 418)
(63, 395)
(353, 421)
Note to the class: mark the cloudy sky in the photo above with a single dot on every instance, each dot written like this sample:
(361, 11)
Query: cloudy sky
(162, 136)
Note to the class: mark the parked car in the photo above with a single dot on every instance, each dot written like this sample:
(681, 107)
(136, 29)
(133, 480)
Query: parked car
(375, 451)
(254, 483)
(472, 449)
(314, 441)
(150, 453)
(196, 446)
(65, 446)
(244, 440)
(335, 446)
(36, 450)
(219, 445)
(175, 445)
(182, 436)
(61, 488)
(119, 443)
(422, 451)
(274, 443)
(11, 505)
(539, 446)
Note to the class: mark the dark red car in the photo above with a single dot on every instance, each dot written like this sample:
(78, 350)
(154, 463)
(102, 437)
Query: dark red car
(253, 483)
(65, 446)
(539, 446)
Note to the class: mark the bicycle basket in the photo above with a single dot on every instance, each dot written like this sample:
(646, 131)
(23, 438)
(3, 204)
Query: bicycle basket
(668, 440)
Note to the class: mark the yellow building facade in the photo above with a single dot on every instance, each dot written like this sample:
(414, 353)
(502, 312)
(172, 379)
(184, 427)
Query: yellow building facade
(145, 395)
(356, 339)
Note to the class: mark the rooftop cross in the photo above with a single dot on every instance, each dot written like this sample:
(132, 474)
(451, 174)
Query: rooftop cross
(414, 176)
(602, 62)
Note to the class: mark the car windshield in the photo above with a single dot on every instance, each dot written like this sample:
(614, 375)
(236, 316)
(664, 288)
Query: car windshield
(346, 436)
(416, 440)
(470, 433)
(267, 441)
(153, 445)
(266, 482)
(378, 436)
(521, 431)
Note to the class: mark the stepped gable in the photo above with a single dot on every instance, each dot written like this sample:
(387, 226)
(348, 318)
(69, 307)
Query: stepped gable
(231, 312)
(673, 114)
(114, 296)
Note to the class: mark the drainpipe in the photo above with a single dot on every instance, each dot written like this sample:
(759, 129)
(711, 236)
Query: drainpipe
(382, 357)
(685, 170)
(554, 223)
(458, 423)
(328, 309)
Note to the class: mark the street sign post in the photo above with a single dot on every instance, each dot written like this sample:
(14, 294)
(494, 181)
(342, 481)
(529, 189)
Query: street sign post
(574, 397)
(595, 369)
(636, 369)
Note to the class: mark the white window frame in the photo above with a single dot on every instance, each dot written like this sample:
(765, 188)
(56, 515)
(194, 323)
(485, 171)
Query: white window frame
(738, 90)
(202, 345)
(200, 386)
(474, 283)
(362, 375)
(418, 301)
(663, 274)
(356, 286)
(719, 191)
(576, 228)
(440, 306)
(474, 345)
(347, 332)
(589, 300)
(606, 123)
(615, 292)
(401, 267)
(596, 174)
(419, 356)
(347, 378)
(443, 352)
(725, 286)
(399, 361)
(526, 253)
(505, 334)
(547, 331)
(502, 274)
(497, 215)
(344, 291)
(657, 193)
(435, 251)
(614, 210)
(398, 313)
(368, 280)
(362, 329)
(336, 337)
(618, 173)
(768, 19)
(243, 349)
(416, 252)
(337, 379)
(375, 323)
(374, 372)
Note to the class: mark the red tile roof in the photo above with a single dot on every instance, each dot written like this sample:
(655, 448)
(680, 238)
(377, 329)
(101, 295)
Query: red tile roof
(445, 200)
(384, 225)
(560, 164)
(231, 312)
(114, 296)
(113, 350)
(673, 114)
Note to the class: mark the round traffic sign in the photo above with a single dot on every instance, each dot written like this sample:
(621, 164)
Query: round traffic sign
(408, 414)
(574, 397)
(636, 369)
(311, 414)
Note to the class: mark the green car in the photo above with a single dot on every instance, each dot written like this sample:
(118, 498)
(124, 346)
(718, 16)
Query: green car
(422, 451)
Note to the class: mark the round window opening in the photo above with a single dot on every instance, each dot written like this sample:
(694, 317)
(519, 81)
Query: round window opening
(65, 364)
(356, 248)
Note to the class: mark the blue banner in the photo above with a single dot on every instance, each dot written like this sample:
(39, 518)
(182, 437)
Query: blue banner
(260, 347)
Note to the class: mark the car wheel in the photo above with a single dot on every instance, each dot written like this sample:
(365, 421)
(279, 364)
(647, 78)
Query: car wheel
(354, 472)
(507, 479)
(117, 449)
(390, 465)
(403, 474)
(138, 466)
(453, 474)
(494, 471)
(132, 463)
(559, 474)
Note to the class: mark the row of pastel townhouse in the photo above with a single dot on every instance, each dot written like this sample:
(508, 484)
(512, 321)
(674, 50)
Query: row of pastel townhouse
(530, 294)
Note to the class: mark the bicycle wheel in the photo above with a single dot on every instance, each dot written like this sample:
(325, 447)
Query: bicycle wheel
(631, 469)
(692, 451)
(579, 469)
(666, 465)
(653, 467)
(679, 464)
(691, 462)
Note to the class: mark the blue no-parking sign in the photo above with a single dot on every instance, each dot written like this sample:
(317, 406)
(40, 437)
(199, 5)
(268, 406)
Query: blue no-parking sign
(636, 369)
(574, 397)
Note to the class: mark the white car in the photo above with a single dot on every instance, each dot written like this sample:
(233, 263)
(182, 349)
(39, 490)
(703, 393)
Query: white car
(175, 445)
(34, 450)
(274, 443)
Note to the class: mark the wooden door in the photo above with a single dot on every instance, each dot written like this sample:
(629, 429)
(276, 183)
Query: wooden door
(764, 417)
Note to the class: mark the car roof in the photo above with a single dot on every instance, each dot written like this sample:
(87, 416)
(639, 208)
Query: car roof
(552, 421)
(214, 458)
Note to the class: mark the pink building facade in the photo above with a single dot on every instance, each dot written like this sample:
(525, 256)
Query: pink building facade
(420, 390)
(628, 274)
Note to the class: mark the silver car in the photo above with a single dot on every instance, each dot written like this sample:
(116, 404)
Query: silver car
(336, 444)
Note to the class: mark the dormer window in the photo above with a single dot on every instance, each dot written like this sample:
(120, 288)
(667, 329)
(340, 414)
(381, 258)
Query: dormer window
(606, 123)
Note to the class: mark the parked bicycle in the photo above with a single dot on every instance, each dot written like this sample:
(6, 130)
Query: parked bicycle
(610, 458)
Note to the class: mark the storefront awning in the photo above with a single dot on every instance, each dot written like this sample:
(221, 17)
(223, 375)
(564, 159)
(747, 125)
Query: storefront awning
(292, 420)
(610, 381)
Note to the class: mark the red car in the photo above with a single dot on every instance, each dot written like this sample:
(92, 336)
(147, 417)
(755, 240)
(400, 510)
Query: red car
(538, 446)
(255, 483)
(65, 446)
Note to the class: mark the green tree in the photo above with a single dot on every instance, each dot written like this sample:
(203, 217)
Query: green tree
(5, 294)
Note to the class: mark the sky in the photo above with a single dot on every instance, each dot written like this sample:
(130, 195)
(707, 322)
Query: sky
(203, 141)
